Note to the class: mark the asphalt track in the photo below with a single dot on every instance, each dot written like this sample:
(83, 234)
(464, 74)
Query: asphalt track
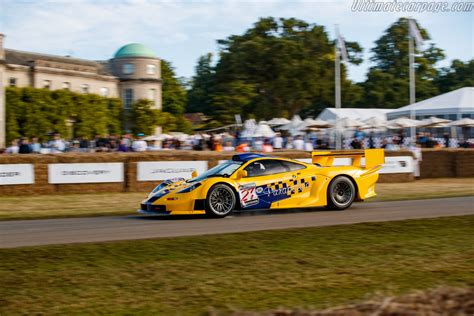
(97, 229)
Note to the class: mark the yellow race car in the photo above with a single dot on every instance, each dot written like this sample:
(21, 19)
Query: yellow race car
(253, 181)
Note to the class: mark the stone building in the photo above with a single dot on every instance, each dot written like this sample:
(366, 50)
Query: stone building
(133, 73)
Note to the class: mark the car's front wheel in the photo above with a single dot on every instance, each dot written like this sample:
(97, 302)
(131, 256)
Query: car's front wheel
(220, 201)
(341, 193)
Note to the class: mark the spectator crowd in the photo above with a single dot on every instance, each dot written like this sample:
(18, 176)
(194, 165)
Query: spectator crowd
(221, 142)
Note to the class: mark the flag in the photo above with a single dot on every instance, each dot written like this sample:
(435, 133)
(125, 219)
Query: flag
(342, 46)
(415, 33)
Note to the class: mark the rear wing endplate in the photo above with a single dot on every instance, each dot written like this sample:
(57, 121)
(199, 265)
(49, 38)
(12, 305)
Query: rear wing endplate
(373, 157)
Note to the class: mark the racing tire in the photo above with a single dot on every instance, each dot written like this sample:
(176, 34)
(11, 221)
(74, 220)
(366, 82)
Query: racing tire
(220, 201)
(341, 193)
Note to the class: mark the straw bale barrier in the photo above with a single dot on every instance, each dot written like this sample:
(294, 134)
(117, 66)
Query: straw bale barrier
(436, 163)
(447, 163)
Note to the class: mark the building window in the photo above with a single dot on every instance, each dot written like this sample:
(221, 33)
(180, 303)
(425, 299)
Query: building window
(12, 82)
(128, 69)
(84, 88)
(128, 98)
(47, 84)
(67, 85)
(104, 92)
(152, 94)
(150, 69)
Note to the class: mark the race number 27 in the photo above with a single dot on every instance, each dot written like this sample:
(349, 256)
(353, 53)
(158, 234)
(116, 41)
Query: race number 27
(248, 196)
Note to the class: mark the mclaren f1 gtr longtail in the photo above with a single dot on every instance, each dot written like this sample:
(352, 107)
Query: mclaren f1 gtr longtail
(253, 181)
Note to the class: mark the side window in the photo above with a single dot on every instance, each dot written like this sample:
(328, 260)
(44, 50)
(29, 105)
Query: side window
(128, 69)
(293, 166)
(150, 69)
(128, 98)
(264, 168)
(255, 169)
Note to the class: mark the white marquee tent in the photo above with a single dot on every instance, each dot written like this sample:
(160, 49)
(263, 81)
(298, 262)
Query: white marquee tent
(295, 126)
(249, 128)
(263, 130)
(278, 121)
(452, 105)
(331, 114)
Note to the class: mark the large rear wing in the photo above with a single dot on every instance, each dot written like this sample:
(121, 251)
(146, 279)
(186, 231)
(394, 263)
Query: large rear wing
(373, 157)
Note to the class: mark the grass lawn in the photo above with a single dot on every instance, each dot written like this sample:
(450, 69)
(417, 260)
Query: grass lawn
(99, 204)
(314, 267)
(424, 189)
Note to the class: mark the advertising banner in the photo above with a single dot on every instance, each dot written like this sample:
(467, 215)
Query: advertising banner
(164, 170)
(22, 173)
(85, 172)
(401, 164)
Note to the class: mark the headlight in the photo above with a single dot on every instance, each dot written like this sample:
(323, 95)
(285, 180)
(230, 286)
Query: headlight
(190, 188)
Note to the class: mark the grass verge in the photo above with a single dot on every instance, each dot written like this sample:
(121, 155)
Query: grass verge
(295, 268)
(100, 204)
(425, 189)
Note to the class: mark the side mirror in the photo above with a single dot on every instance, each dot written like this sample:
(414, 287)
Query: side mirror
(194, 174)
(241, 174)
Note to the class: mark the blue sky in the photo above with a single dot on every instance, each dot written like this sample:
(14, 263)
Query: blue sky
(181, 31)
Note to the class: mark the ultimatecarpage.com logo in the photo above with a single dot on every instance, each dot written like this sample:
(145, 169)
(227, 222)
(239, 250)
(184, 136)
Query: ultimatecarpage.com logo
(411, 6)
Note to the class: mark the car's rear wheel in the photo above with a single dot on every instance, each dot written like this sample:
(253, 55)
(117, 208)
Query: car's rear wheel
(341, 193)
(220, 201)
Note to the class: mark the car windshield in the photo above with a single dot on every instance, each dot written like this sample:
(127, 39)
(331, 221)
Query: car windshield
(225, 169)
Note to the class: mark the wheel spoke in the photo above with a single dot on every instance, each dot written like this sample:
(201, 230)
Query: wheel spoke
(221, 200)
(342, 193)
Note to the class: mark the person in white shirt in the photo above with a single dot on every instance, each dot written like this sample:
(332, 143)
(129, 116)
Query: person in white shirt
(417, 158)
(35, 145)
(57, 144)
(278, 142)
(257, 145)
(228, 146)
(308, 146)
(139, 144)
(298, 143)
(14, 148)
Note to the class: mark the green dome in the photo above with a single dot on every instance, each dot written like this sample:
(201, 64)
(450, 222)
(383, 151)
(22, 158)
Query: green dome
(134, 50)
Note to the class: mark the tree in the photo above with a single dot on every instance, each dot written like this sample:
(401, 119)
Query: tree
(387, 83)
(144, 117)
(232, 98)
(91, 115)
(202, 84)
(174, 101)
(174, 93)
(279, 67)
(458, 75)
(40, 114)
(115, 116)
(13, 97)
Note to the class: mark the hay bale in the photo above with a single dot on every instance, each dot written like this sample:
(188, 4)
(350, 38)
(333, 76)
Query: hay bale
(464, 163)
(437, 164)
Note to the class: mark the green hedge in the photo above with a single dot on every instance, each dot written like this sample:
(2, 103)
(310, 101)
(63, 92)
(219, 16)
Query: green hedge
(38, 112)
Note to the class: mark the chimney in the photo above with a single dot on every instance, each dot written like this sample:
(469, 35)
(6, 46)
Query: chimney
(2, 51)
